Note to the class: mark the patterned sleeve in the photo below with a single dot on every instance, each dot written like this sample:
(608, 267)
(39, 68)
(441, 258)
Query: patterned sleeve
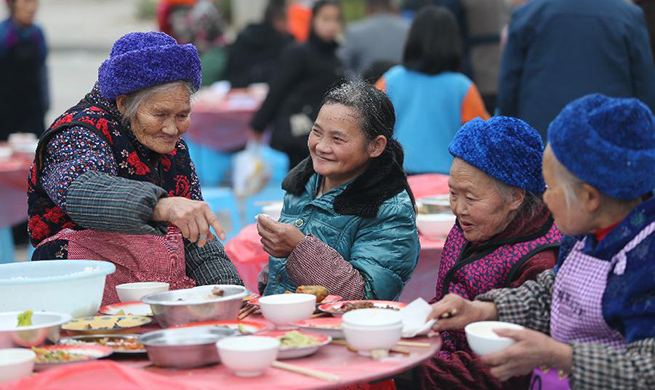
(210, 264)
(70, 154)
(528, 305)
(601, 367)
(313, 262)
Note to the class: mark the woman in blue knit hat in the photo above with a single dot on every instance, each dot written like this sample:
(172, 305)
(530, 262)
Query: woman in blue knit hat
(504, 235)
(589, 321)
(112, 179)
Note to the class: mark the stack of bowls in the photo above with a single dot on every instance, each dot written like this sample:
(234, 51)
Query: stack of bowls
(372, 329)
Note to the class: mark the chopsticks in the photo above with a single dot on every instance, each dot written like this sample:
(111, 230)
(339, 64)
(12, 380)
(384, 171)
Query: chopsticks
(307, 371)
(246, 311)
(413, 344)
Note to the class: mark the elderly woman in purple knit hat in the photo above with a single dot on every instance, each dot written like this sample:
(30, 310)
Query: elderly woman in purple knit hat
(112, 179)
(589, 321)
(504, 235)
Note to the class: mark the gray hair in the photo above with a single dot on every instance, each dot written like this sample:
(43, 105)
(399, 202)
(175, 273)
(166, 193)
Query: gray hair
(531, 203)
(135, 99)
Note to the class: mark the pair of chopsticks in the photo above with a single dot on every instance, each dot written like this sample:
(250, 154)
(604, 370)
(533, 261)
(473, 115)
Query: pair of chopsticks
(246, 311)
(307, 371)
(396, 350)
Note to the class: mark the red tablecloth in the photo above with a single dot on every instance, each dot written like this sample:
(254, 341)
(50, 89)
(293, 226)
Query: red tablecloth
(13, 188)
(138, 373)
(248, 256)
(222, 124)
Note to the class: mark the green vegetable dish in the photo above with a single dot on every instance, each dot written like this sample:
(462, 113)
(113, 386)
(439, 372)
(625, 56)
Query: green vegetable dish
(25, 318)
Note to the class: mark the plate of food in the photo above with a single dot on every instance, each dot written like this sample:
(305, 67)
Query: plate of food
(58, 355)
(338, 308)
(329, 326)
(244, 327)
(297, 343)
(106, 324)
(127, 308)
(322, 294)
(126, 343)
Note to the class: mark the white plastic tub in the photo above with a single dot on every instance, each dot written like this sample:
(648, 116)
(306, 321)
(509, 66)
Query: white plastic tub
(73, 287)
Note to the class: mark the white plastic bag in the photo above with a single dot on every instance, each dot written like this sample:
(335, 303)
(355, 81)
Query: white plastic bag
(250, 173)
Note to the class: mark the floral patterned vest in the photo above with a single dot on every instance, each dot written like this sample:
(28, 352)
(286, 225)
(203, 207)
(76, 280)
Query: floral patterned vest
(490, 268)
(173, 172)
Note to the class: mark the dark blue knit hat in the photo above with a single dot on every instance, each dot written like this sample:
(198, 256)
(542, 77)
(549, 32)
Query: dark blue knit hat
(141, 60)
(507, 149)
(608, 143)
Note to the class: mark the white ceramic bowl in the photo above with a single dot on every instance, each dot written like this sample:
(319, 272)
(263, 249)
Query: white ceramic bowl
(248, 356)
(484, 341)
(366, 338)
(435, 226)
(46, 326)
(133, 292)
(16, 363)
(372, 318)
(281, 309)
(273, 210)
(73, 287)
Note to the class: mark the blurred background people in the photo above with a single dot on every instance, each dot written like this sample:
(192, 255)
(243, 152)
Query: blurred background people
(560, 50)
(23, 75)
(304, 74)
(255, 52)
(377, 39)
(431, 98)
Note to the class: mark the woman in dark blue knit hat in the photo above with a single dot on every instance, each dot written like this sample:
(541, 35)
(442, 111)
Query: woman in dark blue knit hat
(589, 320)
(504, 235)
(112, 179)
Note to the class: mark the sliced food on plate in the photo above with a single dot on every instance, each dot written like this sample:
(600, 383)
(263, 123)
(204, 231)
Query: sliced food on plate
(56, 355)
(297, 343)
(338, 308)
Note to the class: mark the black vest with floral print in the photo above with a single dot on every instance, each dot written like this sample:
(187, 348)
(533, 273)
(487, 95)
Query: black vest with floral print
(173, 172)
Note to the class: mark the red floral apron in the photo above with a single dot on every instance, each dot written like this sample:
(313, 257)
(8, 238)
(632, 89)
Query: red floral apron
(138, 258)
(577, 311)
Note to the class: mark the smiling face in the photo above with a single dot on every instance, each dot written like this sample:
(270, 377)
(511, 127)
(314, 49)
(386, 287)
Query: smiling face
(338, 147)
(481, 210)
(161, 119)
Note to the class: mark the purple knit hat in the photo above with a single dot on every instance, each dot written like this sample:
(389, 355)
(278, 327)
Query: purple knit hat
(141, 60)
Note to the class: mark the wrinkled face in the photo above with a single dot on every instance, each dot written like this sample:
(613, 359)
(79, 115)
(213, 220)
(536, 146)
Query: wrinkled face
(162, 119)
(474, 198)
(327, 23)
(24, 11)
(570, 216)
(337, 145)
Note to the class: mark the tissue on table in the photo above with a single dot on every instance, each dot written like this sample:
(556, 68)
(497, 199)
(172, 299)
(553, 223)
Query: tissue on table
(414, 318)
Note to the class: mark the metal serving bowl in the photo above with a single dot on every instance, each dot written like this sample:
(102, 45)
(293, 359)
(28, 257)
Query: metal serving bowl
(45, 327)
(184, 347)
(181, 307)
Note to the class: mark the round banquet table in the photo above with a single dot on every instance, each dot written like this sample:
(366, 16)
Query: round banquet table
(248, 256)
(13, 188)
(138, 373)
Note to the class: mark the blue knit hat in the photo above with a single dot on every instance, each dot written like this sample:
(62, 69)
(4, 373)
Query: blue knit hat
(608, 143)
(507, 149)
(141, 60)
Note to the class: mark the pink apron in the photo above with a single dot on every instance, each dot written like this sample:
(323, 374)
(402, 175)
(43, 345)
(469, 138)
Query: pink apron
(138, 258)
(577, 311)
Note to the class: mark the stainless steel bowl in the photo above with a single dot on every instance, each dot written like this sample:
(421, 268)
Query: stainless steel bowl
(181, 307)
(185, 347)
(45, 327)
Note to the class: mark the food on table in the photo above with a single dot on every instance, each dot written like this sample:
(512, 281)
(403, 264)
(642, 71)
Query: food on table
(217, 292)
(118, 344)
(243, 330)
(105, 323)
(295, 339)
(121, 312)
(348, 306)
(57, 356)
(319, 291)
(25, 318)
(324, 325)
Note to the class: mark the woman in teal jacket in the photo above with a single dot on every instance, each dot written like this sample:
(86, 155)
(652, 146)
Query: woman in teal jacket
(348, 221)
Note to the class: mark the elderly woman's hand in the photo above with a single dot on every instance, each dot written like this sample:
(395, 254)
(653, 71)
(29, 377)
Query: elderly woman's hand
(279, 239)
(454, 312)
(192, 217)
(531, 350)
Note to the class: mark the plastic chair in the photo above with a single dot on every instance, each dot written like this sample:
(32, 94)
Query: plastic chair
(7, 246)
(224, 204)
(212, 167)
